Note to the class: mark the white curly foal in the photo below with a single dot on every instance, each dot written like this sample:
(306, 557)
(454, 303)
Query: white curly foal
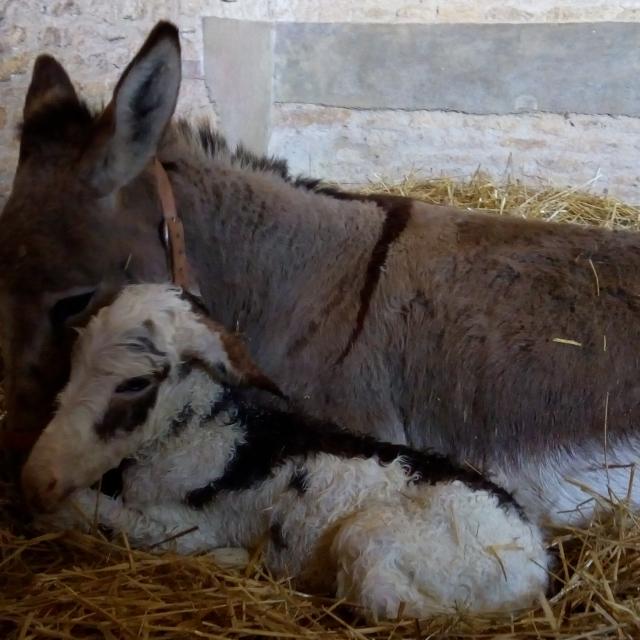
(158, 385)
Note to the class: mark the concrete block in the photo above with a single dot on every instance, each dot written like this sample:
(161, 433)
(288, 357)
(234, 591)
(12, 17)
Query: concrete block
(238, 69)
(474, 68)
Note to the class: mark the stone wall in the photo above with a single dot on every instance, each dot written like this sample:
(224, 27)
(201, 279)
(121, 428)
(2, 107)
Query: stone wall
(95, 39)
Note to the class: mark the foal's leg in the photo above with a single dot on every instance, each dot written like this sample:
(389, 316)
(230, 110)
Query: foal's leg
(370, 551)
(161, 527)
(86, 508)
(446, 548)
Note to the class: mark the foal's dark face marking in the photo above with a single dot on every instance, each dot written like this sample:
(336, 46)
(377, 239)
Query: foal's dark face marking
(144, 344)
(125, 414)
(135, 397)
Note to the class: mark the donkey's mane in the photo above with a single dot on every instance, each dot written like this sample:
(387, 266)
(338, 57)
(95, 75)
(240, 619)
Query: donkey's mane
(207, 140)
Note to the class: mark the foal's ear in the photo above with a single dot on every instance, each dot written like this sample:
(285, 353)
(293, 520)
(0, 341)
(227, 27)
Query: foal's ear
(49, 83)
(228, 359)
(130, 128)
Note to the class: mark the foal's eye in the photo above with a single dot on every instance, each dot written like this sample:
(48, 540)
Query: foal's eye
(133, 385)
(67, 308)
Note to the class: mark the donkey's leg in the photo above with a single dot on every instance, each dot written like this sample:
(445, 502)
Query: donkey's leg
(568, 486)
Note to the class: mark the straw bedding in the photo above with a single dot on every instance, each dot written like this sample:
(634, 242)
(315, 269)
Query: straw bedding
(86, 586)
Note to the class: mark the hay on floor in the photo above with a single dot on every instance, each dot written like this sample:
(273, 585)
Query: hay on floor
(514, 198)
(75, 585)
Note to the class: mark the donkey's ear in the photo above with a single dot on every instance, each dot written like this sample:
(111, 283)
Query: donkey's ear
(143, 102)
(49, 83)
(227, 358)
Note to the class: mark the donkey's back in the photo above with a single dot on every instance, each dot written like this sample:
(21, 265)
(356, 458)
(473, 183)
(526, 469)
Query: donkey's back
(508, 343)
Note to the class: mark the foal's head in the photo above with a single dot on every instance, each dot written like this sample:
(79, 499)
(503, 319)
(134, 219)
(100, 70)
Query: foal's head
(83, 216)
(130, 375)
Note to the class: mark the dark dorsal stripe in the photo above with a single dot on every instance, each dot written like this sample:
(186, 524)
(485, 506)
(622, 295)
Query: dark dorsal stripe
(274, 436)
(398, 214)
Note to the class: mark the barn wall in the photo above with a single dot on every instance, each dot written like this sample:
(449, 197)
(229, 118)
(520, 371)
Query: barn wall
(95, 40)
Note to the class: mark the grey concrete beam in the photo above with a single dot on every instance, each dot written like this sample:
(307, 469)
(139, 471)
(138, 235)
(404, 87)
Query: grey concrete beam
(591, 68)
(238, 69)
(498, 69)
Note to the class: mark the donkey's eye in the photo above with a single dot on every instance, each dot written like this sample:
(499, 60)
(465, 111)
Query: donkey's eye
(67, 308)
(133, 385)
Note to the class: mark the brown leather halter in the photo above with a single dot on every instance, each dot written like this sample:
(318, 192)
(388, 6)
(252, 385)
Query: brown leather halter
(173, 233)
(181, 274)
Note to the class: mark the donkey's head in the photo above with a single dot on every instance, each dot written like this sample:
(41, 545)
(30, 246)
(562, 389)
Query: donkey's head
(83, 216)
(130, 376)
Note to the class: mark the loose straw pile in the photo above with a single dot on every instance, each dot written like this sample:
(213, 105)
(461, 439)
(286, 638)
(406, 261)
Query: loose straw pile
(574, 205)
(75, 585)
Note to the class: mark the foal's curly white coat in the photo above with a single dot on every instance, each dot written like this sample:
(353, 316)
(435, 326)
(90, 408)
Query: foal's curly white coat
(372, 530)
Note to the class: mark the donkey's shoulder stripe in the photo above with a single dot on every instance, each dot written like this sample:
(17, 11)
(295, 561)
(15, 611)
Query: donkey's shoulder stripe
(398, 214)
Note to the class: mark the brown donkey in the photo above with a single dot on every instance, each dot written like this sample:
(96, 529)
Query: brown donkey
(418, 324)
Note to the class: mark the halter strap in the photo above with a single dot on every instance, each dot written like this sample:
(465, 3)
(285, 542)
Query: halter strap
(173, 233)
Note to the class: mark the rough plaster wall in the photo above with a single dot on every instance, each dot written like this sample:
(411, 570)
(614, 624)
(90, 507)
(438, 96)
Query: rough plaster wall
(539, 148)
(95, 39)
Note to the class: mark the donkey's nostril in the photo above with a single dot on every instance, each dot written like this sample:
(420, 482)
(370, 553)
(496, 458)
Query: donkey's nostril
(52, 485)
